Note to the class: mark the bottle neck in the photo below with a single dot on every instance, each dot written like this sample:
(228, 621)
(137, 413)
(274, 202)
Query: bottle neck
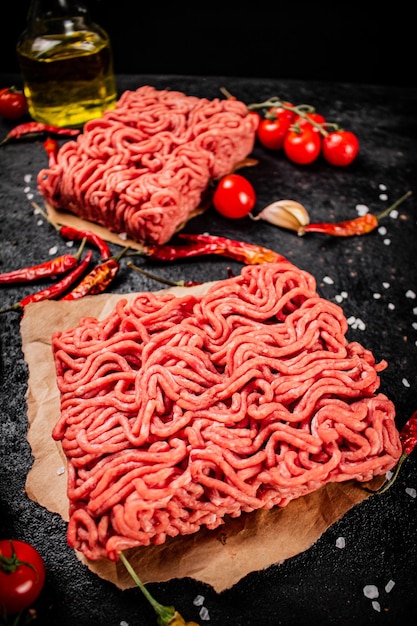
(43, 12)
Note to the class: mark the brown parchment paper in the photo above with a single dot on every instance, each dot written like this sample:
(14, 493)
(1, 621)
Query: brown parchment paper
(65, 218)
(221, 557)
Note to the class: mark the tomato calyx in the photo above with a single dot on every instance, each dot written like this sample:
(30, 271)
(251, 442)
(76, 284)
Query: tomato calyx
(10, 564)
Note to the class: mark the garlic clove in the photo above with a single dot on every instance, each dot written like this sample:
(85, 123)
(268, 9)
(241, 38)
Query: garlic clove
(285, 214)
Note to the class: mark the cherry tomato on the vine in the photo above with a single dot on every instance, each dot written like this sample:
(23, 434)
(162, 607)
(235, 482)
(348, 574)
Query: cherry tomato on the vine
(234, 196)
(22, 576)
(283, 113)
(271, 132)
(302, 122)
(13, 103)
(303, 146)
(340, 147)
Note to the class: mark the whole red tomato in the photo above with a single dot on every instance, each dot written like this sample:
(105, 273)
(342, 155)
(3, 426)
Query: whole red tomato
(13, 103)
(271, 132)
(315, 117)
(234, 196)
(22, 575)
(340, 147)
(303, 146)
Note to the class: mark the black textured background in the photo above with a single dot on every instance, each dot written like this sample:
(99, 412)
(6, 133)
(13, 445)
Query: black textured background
(323, 585)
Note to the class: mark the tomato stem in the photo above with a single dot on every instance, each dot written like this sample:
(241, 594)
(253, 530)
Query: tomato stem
(302, 110)
(11, 564)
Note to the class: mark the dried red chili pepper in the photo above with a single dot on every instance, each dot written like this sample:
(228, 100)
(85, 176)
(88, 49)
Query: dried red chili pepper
(408, 434)
(53, 267)
(97, 281)
(74, 234)
(408, 438)
(54, 291)
(201, 245)
(32, 129)
(248, 253)
(357, 226)
(51, 148)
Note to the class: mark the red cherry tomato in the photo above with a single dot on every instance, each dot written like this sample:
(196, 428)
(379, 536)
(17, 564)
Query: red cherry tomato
(316, 117)
(340, 147)
(234, 196)
(22, 576)
(13, 103)
(271, 132)
(282, 113)
(302, 147)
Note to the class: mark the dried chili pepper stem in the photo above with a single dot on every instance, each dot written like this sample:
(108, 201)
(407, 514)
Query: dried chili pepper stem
(166, 615)
(56, 290)
(74, 234)
(32, 129)
(159, 279)
(356, 226)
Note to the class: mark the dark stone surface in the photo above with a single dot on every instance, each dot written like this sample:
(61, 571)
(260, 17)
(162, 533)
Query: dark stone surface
(323, 585)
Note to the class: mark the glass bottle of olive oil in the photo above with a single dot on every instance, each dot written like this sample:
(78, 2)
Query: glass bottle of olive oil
(66, 64)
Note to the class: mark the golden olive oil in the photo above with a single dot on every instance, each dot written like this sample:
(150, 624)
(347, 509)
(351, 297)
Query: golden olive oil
(68, 77)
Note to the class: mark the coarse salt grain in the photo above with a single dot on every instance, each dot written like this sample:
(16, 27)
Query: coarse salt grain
(389, 586)
(340, 542)
(382, 230)
(328, 280)
(344, 294)
(362, 209)
(27, 178)
(204, 614)
(356, 323)
(371, 592)
(198, 600)
(383, 196)
(60, 470)
(410, 491)
(69, 244)
(385, 285)
(405, 382)
(391, 306)
(30, 196)
(382, 187)
(414, 325)
(338, 298)
(376, 606)
(53, 250)
(410, 294)
(387, 242)
(377, 296)
(415, 310)
(394, 214)
(123, 623)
